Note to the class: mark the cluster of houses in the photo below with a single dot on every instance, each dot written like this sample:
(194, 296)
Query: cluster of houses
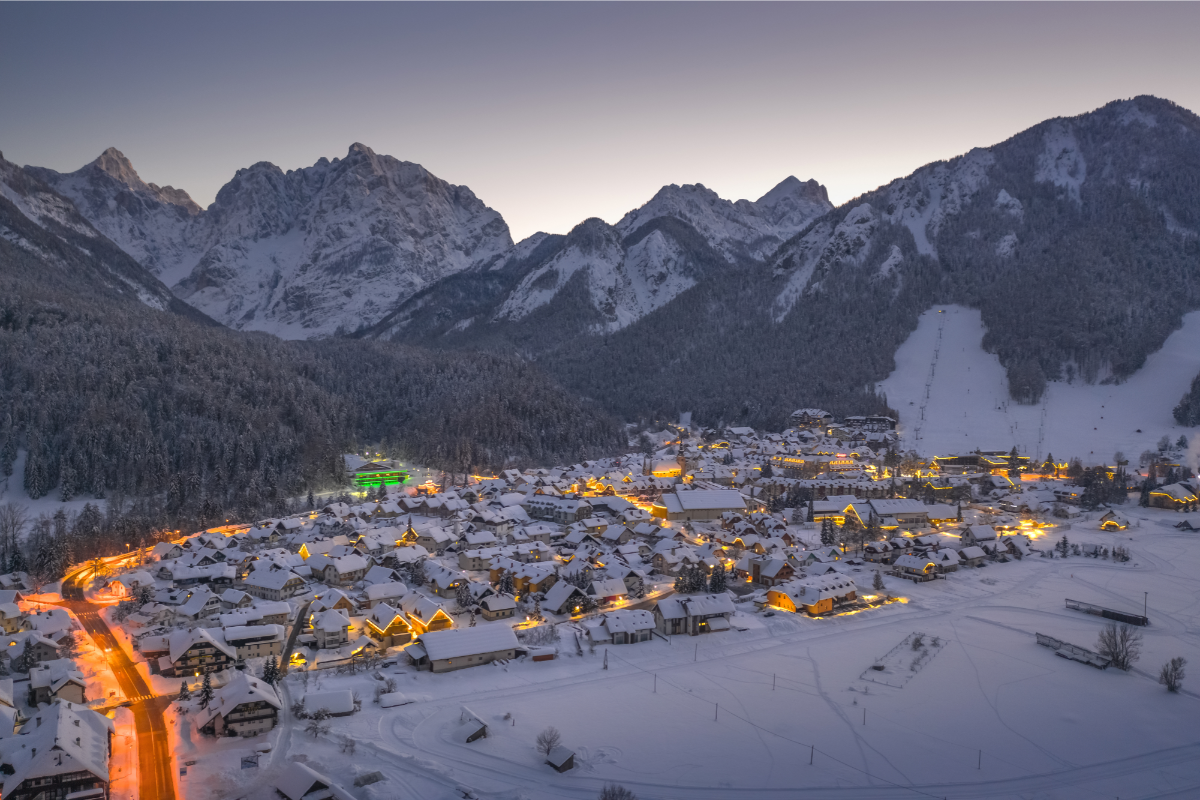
(454, 575)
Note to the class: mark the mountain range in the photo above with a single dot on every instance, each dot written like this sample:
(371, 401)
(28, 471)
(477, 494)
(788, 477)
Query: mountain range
(1078, 239)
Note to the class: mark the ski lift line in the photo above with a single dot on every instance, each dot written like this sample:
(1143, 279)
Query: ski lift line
(812, 747)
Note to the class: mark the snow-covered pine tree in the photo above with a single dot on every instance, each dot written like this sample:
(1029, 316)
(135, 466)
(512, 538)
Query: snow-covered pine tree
(185, 693)
(463, 596)
(716, 583)
(206, 690)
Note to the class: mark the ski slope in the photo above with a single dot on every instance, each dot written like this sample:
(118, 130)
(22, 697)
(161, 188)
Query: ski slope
(953, 396)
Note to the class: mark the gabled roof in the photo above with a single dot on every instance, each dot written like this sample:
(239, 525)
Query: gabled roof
(699, 605)
(65, 737)
(242, 689)
(179, 642)
(300, 780)
(462, 642)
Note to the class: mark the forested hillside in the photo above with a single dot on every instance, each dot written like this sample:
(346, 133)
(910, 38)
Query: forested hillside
(113, 398)
(1078, 239)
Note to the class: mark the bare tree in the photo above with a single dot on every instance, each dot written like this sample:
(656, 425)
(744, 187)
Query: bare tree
(548, 739)
(612, 791)
(1171, 675)
(1120, 643)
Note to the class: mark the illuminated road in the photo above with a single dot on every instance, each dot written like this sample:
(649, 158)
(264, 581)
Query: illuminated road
(154, 753)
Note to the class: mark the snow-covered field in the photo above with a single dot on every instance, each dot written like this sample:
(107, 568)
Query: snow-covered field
(953, 397)
(739, 714)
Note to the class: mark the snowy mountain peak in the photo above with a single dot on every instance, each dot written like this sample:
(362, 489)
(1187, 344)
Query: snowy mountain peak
(792, 188)
(114, 163)
(738, 230)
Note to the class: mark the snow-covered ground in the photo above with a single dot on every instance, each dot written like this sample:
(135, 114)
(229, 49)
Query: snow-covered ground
(739, 714)
(953, 397)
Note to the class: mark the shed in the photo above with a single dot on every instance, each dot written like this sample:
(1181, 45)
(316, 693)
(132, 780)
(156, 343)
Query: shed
(561, 758)
(339, 703)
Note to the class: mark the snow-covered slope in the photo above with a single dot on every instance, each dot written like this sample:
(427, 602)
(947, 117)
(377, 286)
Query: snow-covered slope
(65, 247)
(302, 253)
(149, 222)
(953, 396)
(921, 203)
(623, 284)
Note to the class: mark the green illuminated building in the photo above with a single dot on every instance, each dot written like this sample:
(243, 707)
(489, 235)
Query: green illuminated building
(376, 474)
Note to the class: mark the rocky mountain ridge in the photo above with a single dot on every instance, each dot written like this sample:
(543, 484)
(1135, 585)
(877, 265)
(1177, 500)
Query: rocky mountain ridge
(303, 253)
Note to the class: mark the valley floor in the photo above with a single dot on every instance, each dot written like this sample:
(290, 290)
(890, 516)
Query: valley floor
(739, 714)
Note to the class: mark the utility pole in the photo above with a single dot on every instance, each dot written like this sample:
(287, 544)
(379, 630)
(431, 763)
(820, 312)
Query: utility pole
(1146, 605)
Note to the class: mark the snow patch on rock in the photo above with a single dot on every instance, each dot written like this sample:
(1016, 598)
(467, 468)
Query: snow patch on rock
(1008, 204)
(1061, 161)
(1007, 245)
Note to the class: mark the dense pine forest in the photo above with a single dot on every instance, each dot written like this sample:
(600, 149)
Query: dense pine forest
(180, 423)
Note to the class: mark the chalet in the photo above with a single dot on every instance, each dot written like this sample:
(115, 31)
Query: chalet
(814, 595)
(1175, 496)
(435, 539)
(445, 651)
(331, 629)
(891, 514)
(335, 599)
(255, 641)
(441, 580)
(765, 571)
(387, 627)
(915, 568)
(978, 534)
(232, 599)
(564, 598)
(1070, 495)
(341, 571)
(972, 556)
(562, 510)
(245, 706)
(1112, 521)
(40, 648)
(498, 606)
(624, 626)
(63, 751)
(273, 583)
(200, 605)
(693, 614)
(612, 590)
(390, 593)
(698, 504)
(12, 620)
(57, 679)
(164, 551)
(195, 652)
(878, 552)
(946, 560)
(424, 614)
(810, 418)
(534, 579)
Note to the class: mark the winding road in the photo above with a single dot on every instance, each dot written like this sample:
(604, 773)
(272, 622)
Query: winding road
(154, 752)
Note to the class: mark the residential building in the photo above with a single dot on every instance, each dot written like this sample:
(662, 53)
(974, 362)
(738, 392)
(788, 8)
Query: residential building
(246, 706)
(445, 651)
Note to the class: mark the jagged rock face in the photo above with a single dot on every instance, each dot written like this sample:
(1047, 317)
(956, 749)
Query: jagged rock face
(631, 273)
(744, 229)
(302, 253)
(36, 219)
(150, 223)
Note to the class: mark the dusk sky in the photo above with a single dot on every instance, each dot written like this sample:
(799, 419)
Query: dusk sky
(552, 113)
